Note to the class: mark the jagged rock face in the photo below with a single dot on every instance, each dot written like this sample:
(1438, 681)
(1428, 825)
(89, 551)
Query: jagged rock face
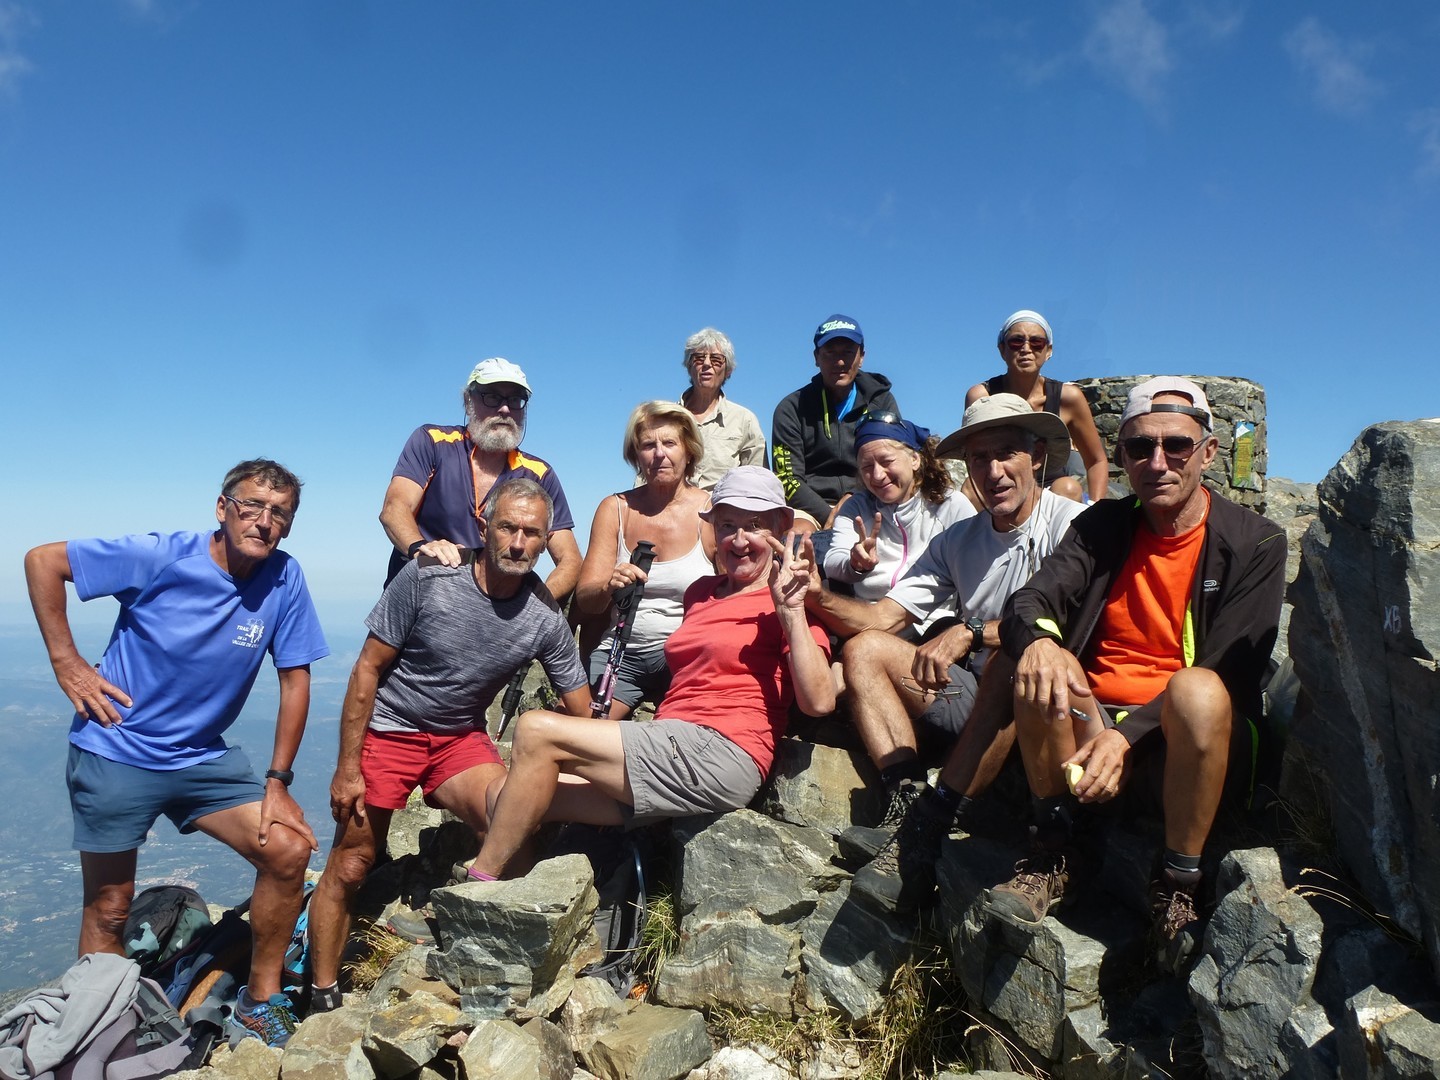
(1232, 402)
(1364, 638)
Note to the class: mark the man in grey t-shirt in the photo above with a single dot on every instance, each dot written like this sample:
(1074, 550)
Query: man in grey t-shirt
(443, 642)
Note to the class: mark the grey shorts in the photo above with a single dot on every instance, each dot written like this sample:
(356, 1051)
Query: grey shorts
(948, 714)
(677, 768)
(641, 676)
(115, 805)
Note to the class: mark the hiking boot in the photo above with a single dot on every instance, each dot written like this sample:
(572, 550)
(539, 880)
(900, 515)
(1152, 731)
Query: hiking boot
(861, 843)
(1037, 887)
(324, 999)
(901, 877)
(416, 926)
(272, 1022)
(1175, 929)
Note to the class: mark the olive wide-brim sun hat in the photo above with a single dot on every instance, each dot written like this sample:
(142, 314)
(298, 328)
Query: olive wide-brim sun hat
(1011, 410)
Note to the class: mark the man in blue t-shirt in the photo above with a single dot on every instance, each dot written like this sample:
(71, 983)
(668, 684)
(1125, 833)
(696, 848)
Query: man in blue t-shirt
(446, 473)
(198, 613)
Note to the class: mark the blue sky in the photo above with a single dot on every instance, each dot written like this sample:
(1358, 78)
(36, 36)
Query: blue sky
(291, 228)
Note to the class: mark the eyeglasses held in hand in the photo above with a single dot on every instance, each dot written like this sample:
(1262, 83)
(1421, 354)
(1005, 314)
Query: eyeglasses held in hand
(944, 692)
(1142, 447)
(254, 511)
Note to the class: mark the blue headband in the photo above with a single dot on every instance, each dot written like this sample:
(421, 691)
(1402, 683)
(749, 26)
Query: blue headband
(902, 431)
(1025, 315)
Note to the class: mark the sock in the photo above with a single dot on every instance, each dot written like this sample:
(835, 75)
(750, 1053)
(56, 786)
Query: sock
(1053, 825)
(333, 986)
(1184, 870)
(480, 875)
(909, 769)
(955, 804)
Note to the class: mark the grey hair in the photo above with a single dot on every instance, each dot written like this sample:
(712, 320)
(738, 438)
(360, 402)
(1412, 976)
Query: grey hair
(519, 487)
(710, 340)
(263, 471)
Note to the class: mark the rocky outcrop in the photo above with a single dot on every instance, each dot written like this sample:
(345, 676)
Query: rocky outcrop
(1365, 745)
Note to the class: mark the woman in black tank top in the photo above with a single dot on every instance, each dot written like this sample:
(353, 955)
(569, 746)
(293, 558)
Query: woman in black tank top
(1025, 344)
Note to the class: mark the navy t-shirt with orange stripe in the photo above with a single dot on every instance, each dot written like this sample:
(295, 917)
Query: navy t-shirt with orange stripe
(439, 459)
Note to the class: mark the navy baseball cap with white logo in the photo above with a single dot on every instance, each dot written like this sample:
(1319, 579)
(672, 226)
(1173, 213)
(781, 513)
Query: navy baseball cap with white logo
(839, 326)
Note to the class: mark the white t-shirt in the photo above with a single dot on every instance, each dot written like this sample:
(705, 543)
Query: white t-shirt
(981, 567)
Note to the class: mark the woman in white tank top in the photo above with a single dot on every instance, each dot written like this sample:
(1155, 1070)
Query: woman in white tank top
(662, 443)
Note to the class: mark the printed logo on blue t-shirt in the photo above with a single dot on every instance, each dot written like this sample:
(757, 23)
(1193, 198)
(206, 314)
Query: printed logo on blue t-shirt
(251, 635)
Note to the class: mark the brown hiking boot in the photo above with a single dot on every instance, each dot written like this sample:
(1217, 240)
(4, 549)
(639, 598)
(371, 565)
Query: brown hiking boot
(1176, 925)
(1037, 887)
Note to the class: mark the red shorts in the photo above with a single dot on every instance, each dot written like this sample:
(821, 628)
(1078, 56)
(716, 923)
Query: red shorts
(393, 763)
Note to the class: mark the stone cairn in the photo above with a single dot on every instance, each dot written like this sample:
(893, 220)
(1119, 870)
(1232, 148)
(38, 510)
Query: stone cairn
(1301, 974)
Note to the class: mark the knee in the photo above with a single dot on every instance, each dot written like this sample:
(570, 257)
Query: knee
(862, 651)
(534, 733)
(348, 867)
(1197, 705)
(1067, 487)
(285, 854)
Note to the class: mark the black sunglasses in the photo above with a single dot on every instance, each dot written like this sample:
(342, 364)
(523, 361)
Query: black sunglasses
(1142, 447)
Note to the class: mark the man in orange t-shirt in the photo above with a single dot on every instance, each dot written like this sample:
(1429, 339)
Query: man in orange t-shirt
(1141, 648)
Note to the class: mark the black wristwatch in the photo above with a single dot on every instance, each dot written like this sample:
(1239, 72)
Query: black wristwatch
(977, 635)
(413, 548)
(285, 776)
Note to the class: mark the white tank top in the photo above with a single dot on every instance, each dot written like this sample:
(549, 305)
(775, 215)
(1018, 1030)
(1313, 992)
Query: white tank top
(661, 608)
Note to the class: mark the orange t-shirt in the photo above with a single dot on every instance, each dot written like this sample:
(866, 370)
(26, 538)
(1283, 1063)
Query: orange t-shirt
(1140, 641)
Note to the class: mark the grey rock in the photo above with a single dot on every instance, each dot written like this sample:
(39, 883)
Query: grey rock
(1028, 981)
(737, 963)
(406, 975)
(499, 1048)
(405, 1036)
(1308, 1044)
(516, 946)
(557, 1055)
(249, 1060)
(823, 787)
(650, 1043)
(407, 825)
(851, 955)
(1364, 639)
(744, 861)
(1381, 1037)
(592, 1009)
(327, 1047)
(742, 1063)
(1261, 951)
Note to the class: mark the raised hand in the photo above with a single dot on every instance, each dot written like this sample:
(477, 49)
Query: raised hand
(862, 556)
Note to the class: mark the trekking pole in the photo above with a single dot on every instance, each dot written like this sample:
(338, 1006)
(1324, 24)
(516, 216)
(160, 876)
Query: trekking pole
(510, 703)
(626, 601)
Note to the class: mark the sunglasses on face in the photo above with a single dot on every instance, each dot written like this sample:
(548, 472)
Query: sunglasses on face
(491, 400)
(1142, 447)
(1017, 342)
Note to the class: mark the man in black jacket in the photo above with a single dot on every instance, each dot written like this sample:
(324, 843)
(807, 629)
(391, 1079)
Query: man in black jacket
(1141, 648)
(813, 433)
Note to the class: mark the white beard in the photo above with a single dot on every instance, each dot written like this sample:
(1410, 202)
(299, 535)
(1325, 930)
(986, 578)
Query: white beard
(495, 433)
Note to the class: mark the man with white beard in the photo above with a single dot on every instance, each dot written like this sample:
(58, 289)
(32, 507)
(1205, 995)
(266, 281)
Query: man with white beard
(445, 474)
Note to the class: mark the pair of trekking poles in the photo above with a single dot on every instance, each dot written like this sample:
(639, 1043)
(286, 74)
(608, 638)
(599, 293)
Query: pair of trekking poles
(627, 601)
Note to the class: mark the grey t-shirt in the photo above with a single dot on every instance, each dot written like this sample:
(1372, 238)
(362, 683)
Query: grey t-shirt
(981, 567)
(458, 647)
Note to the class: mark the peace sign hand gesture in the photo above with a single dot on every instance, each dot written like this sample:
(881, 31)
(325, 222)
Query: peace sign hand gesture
(862, 556)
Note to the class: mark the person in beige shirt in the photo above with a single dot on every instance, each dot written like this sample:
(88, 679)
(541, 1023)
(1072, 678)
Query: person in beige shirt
(731, 432)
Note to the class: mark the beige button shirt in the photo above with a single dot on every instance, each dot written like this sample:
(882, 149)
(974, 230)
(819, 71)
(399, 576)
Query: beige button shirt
(732, 437)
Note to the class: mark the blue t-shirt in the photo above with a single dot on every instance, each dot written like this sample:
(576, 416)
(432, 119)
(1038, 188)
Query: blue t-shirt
(438, 459)
(188, 642)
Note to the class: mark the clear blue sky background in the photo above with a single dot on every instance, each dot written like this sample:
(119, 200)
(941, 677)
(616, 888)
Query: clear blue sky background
(291, 228)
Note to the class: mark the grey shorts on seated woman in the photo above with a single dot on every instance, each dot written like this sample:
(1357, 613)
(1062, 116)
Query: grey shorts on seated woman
(665, 761)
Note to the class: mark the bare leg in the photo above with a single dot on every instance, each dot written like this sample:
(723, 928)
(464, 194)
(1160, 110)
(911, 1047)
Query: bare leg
(547, 744)
(351, 858)
(279, 884)
(1196, 717)
(1067, 487)
(882, 709)
(109, 884)
(1045, 745)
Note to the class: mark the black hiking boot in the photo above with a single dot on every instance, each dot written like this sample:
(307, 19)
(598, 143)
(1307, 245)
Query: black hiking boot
(1175, 928)
(901, 878)
(860, 843)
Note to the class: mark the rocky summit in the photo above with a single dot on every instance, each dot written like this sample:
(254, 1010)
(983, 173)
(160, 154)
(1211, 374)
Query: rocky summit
(1319, 956)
